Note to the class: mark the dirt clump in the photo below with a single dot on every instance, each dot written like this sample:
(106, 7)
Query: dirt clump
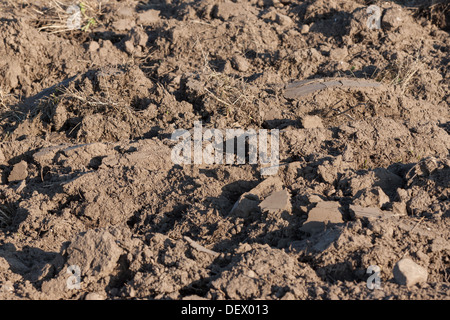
(93, 205)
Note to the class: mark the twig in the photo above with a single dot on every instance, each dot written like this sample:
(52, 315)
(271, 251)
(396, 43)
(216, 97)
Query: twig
(218, 99)
(200, 248)
(421, 219)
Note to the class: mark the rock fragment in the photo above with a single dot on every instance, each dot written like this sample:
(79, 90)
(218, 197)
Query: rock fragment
(276, 202)
(409, 273)
(249, 201)
(326, 212)
(283, 20)
(304, 29)
(19, 172)
(359, 212)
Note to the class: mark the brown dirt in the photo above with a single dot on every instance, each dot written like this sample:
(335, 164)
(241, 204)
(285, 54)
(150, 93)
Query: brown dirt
(87, 177)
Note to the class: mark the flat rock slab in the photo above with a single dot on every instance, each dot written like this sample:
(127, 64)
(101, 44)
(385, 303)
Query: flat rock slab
(409, 273)
(302, 88)
(326, 212)
(277, 201)
(359, 212)
(19, 172)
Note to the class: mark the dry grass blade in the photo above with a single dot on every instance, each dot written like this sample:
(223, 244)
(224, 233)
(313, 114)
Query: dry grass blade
(5, 217)
(401, 73)
(80, 103)
(228, 91)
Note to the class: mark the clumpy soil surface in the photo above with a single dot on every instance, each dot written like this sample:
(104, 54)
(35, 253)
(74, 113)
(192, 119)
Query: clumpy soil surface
(93, 207)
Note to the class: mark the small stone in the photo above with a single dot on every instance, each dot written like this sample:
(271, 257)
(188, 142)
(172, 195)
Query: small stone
(309, 122)
(324, 212)
(251, 274)
(131, 292)
(240, 63)
(277, 201)
(19, 172)
(304, 29)
(94, 296)
(409, 273)
(148, 17)
(283, 20)
(94, 46)
(227, 68)
(129, 47)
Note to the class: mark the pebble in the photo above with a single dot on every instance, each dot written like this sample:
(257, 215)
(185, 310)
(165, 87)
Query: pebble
(409, 273)
(283, 20)
(129, 47)
(304, 29)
